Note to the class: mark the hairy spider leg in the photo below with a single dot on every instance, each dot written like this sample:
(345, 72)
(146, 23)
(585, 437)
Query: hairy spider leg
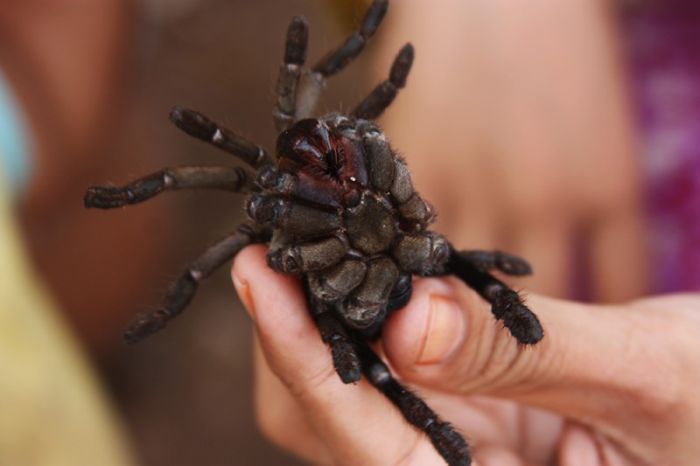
(335, 60)
(384, 94)
(367, 307)
(290, 257)
(290, 70)
(345, 359)
(424, 253)
(234, 179)
(352, 356)
(307, 238)
(506, 304)
(313, 81)
(504, 262)
(388, 173)
(181, 291)
(300, 186)
(199, 126)
(446, 440)
(336, 283)
(305, 221)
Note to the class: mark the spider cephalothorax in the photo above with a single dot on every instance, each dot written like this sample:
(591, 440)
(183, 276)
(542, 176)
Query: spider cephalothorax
(338, 208)
(345, 213)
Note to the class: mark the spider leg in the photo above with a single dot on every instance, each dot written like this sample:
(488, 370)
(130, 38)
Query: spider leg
(313, 81)
(181, 291)
(288, 78)
(342, 345)
(499, 260)
(197, 125)
(384, 94)
(339, 58)
(366, 308)
(506, 304)
(337, 282)
(301, 221)
(380, 159)
(301, 186)
(446, 440)
(306, 257)
(235, 179)
(423, 253)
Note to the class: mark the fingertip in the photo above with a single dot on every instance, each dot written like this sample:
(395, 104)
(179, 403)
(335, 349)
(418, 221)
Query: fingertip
(247, 262)
(274, 300)
(287, 334)
(244, 270)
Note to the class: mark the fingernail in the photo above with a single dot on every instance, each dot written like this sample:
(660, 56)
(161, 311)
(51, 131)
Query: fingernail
(446, 330)
(243, 290)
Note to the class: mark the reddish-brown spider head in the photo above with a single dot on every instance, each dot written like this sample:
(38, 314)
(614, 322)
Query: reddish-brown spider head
(324, 149)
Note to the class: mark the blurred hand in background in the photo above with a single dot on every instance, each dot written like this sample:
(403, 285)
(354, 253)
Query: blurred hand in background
(68, 68)
(59, 75)
(517, 125)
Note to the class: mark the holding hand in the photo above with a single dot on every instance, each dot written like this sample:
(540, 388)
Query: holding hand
(617, 382)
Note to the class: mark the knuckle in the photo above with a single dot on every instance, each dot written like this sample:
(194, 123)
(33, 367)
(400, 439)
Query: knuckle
(496, 359)
(659, 401)
(661, 395)
(309, 388)
(658, 375)
(489, 351)
(492, 357)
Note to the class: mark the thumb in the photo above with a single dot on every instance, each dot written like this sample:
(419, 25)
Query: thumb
(354, 424)
(595, 363)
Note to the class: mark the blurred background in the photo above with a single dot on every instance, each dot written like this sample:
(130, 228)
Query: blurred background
(568, 132)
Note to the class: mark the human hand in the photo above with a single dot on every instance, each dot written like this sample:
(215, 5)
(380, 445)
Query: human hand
(613, 385)
(516, 126)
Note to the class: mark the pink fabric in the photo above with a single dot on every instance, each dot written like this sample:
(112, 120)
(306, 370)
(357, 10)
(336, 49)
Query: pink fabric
(663, 42)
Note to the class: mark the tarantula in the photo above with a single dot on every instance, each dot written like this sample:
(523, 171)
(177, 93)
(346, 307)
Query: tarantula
(337, 207)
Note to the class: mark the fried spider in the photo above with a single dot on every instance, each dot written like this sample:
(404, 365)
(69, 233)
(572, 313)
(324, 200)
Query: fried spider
(338, 208)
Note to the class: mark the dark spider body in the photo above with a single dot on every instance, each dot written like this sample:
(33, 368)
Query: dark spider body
(338, 208)
(363, 221)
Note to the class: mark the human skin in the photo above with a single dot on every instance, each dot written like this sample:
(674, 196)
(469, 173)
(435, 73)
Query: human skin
(608, 385)
(516, 124)
(68, 64)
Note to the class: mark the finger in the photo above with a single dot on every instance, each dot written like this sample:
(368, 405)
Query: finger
(595, 363)
(281, 418)
(275, 408)
(547, 245)
(356, 423)
(618, 268)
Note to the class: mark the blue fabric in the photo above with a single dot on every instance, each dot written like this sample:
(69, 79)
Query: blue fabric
(14, 143)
